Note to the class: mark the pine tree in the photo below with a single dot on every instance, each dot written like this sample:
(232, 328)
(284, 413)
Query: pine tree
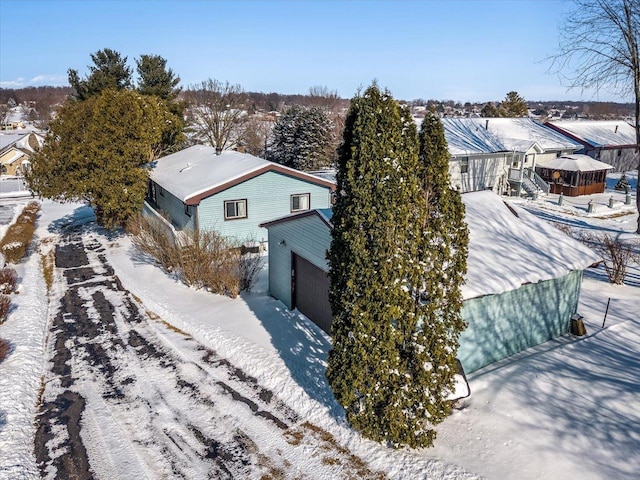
(95, 151)
(303, 138)
(514, 106)
(154, 78)
(109, 70)
(376, 367)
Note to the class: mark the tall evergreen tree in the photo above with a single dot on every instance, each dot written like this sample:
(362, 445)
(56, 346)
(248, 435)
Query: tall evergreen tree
(303, 138)
(95, 151)
(514, 105)
(443, 258)
(154, 78)
(379, 367)
(109, 70)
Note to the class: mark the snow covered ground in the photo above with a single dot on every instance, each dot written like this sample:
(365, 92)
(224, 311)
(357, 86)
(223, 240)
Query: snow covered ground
(569, 408)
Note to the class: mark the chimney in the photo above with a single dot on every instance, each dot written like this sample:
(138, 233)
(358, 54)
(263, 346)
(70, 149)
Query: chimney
(616, 130)
(486, 124)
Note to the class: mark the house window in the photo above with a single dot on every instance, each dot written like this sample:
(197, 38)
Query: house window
(300, 201)
(234, 209)
(619, 152)
(464, 165)
(187, 210)
(161, 192)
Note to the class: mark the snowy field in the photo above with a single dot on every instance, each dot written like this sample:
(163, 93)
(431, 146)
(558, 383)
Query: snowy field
(569, 408)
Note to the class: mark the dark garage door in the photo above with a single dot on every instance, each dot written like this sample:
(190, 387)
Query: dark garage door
(311, 292)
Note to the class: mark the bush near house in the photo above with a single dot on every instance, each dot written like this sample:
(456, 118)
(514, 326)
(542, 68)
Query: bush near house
(19, 235)
(8, 280)
(4, 349)
(5, 304)
(200, 259)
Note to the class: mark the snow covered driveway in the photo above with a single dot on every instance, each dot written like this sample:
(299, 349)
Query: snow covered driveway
(129, 396)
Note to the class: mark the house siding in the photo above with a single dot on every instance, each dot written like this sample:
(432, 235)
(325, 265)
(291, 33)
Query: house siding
(268, 197)
(309, 238)
(485, 172)
(627, 160)
(502, 325)
(174, 207)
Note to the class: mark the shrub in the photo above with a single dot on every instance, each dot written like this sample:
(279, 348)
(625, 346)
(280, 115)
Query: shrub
(201, 259)
(5, 346)
(5, 304)
(19, 235)
(616, 254)
(8, 280)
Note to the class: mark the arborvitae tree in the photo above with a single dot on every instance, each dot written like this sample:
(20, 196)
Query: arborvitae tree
(514, 106)
(380, 366)
(443, 259)
(110, 70)
(95, 151)
(303, 139)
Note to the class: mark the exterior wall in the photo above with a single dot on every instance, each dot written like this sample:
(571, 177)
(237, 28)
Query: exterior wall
(484, 172)
(308, 237)
(502, 325)
(11, 161)
(621, 159)
(174, 207)
(268, 197)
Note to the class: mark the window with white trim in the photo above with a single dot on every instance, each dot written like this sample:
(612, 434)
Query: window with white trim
(235, 209)
(300, 202)
(464, 165)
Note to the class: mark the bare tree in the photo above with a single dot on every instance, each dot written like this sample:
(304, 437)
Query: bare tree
(599, 49)
(216, 112)
(616, 252)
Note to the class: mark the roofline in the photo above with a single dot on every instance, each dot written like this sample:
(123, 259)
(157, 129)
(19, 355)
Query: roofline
(197, 198)
(560, 130)
(296, 216)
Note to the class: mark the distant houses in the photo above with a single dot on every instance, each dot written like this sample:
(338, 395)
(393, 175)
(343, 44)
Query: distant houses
(230, 192)
(522, 285)
(501, 154)
(16, 149)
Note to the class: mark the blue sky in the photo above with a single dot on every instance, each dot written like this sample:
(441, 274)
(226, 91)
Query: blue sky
(472, 50)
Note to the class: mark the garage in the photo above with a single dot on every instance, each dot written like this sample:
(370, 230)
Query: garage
(310, 292)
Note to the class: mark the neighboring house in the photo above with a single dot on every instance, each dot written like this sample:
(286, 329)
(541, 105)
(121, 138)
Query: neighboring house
(522, 284)
(574, 175)
(610, 141)
(15, 151)
(500, 154)
(231, 192)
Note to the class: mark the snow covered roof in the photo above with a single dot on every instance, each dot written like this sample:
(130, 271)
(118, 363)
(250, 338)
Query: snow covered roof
(466, 136)
(598, 133)
(7, 139)
(509, 247)
(197, 172)
(575, 163)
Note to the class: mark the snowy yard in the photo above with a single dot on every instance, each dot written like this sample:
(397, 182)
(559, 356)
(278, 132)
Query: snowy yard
(569, 408)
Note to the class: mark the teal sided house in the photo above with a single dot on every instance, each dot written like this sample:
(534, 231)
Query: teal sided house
(522, 284)
(230, 192)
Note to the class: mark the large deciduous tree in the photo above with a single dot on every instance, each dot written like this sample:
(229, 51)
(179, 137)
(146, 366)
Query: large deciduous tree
(95, 151)
(217, 111)
(600, 49)
(109, 70)
(303, 139)
(391, 364)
